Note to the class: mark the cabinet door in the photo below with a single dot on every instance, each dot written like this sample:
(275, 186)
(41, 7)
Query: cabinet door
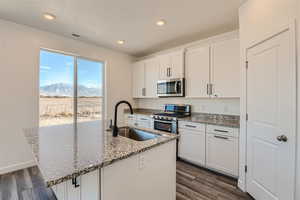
(151, 77)
(90, 186)
(138, 79)
(177, 65)
(197, 72)
(192, 146)
(222, 154)
(60, 191)
(164, 66)
(225, 69)
(73, 193)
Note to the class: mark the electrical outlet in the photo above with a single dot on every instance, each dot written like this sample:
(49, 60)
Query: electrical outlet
(141, 162)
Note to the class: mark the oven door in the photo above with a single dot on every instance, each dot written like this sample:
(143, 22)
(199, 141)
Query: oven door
(173, 87)
(167, 126)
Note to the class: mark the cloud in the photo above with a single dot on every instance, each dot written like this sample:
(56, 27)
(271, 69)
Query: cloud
(45, 67)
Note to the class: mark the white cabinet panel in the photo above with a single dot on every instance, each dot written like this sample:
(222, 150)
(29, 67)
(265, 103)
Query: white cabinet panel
(192, 146)
(137, 177)
(90, 186)
(177, 65)
(164, 66)
(171, 65)
(151, 77)
(222, 154)
(138, 80)
(225, 68)
(197, 72)
(73, 193)
(60, 191)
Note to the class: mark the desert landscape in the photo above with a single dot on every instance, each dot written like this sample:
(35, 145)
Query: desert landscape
(55, 110)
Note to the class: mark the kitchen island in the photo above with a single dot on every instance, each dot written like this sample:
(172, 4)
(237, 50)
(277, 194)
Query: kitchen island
(86, 162)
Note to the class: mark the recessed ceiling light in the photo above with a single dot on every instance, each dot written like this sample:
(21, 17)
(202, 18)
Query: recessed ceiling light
(75, 35)
(121, 41)
(49, 16)
(161, 22)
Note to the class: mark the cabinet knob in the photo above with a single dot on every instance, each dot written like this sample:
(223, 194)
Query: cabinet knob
(282, 138)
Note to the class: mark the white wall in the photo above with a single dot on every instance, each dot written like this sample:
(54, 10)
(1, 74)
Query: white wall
(258, 20)
(19, 69)
(216, 106)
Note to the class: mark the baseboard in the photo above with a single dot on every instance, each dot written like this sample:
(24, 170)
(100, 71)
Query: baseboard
(241, 185)
(16, 167)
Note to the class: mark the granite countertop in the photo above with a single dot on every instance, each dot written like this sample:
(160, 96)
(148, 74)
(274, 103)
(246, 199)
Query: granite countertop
(232, 121)
(62, 153)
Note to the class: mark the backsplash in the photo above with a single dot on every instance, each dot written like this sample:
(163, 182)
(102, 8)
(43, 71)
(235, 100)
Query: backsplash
(214, 106)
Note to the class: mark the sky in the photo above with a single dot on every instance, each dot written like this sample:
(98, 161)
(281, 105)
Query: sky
(59, 68)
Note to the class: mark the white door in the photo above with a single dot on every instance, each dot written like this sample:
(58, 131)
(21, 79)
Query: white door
(225, 68)
(191, 146)
(151, 77)
(271, 107)
(197, 63)
(138, 79)
(177, 65)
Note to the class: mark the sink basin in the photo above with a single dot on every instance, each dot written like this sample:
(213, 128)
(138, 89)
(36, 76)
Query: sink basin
(136, 134)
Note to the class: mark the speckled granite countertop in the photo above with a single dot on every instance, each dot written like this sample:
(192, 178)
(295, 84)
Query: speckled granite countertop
(213, 119)
(63, 154)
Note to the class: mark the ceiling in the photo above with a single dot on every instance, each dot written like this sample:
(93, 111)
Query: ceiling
(103, 22)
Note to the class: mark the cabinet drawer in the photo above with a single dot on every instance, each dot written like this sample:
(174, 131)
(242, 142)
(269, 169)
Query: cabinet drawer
(222, 130)
(191, 126)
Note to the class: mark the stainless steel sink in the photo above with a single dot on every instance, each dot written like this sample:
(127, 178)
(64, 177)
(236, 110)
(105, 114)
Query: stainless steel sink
(136, 134)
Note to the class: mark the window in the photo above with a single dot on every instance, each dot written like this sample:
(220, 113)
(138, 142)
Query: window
(69, 85)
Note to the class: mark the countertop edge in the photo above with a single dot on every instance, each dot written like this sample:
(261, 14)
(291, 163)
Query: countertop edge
(105, 163)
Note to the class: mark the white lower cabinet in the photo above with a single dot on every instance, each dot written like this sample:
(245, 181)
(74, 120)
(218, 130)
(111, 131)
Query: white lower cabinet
(222, 154)
(88, 188)
(214, 147)
(141, 121)
(192, 146)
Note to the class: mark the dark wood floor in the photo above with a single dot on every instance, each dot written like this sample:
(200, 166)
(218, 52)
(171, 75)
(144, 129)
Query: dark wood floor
(25, 184)
(193, 183)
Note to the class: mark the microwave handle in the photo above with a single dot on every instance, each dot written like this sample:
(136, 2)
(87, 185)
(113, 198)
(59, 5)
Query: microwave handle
(176, 86)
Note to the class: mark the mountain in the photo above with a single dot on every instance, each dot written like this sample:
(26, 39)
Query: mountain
(63, 89)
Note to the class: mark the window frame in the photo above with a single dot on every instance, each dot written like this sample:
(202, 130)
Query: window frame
(75, 81)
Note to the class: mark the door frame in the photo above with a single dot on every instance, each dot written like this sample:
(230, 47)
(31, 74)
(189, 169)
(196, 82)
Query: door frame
(291, 27)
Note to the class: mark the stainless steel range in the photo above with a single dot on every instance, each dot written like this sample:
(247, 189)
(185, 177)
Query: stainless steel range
(167, 120)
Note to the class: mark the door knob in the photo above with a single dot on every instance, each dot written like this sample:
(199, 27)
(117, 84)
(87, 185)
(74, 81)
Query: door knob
(282, 138)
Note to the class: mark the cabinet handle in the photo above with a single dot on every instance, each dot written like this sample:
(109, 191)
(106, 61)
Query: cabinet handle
(168, 72)
(207, 89)
(222, 131)
(144, 119)
(144, 91)
(75, 182)
(210, 88)
(220, 137)
(190, 126)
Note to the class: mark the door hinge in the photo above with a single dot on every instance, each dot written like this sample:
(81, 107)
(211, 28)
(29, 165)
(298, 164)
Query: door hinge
(247, 64)
(247, 117)
(246, 168)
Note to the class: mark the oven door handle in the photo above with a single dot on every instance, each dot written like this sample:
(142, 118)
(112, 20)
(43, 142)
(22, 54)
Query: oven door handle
(166, 122)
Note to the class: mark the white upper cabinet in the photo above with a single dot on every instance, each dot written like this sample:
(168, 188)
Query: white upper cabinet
(171, 66)
(197, 65)
(151, 77)
(225, 68)
(138, 80)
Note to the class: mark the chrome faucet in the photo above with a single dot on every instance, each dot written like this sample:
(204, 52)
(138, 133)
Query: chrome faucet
(115, 127)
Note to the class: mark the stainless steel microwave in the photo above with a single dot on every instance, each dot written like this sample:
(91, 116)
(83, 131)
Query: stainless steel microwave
(171, 88)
